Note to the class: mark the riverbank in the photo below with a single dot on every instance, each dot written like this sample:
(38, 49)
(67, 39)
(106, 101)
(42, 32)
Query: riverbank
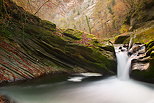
(47, 78)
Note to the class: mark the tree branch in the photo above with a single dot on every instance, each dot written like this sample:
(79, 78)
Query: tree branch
(41, 7)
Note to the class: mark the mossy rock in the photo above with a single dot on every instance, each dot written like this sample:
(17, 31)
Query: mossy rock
(152, 54)
(124, 28)
(108, 48)
(149, 51)
(92, 36)
(96, 43)
(149, 45)
(146, 35)
(48, 25)
(36, 31)
(6, 33)
(73, 34)
(40, 44)
(121, 39)
(141, 36)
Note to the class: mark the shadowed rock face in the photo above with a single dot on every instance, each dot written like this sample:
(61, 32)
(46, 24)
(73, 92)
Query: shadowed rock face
(143, 67)
(143, 71)
(31, 47)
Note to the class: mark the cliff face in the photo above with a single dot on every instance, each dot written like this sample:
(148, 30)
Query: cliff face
(31, 47)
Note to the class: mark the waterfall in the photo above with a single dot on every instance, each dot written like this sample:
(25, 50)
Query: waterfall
(123, 64)
(125, 57)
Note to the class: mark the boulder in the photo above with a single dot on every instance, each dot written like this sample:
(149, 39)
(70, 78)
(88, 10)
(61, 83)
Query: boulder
(143, 71)
(5, 99)
(143, 68)
(121, 39)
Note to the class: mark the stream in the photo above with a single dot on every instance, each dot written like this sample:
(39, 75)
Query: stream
(87, 88)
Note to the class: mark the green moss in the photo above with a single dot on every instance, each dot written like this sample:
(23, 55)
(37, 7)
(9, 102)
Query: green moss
(121, 39)
(90, 58)
(124, 28)
(49, 49)
(92, 36)
(6, 33)
(48, 25)
(145, 36)
(73, 34)
(36, 31)
(108, 48)
(61, 53)
(141, 36)
(96, 43)
(149, 51)
(152, 54)
(149, 45)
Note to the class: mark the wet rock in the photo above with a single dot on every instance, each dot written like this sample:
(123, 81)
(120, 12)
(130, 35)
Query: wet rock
(5, 99)
(139, 48)
(143, 59)
(143, 71)
(149, 48)
(150, 45)
(152, 54)
(122, 50)
(143, 67)
(120, 47)
(129, 53)
(134, 49)
(125, 46)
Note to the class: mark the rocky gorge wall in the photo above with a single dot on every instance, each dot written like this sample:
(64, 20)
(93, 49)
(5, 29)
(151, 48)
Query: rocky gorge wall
(31, 47)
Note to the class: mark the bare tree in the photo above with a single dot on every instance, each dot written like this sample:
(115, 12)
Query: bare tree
(88, 23)
(41, 7)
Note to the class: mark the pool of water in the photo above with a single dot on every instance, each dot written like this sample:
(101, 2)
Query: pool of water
(109, 90)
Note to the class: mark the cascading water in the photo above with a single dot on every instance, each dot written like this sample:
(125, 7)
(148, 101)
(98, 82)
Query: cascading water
(123, 64)
(125, 55)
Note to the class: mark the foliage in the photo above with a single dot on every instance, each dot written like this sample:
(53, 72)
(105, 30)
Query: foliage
(105, 17)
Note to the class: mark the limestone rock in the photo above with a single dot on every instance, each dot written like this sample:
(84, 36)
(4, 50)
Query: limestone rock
(143, 68)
